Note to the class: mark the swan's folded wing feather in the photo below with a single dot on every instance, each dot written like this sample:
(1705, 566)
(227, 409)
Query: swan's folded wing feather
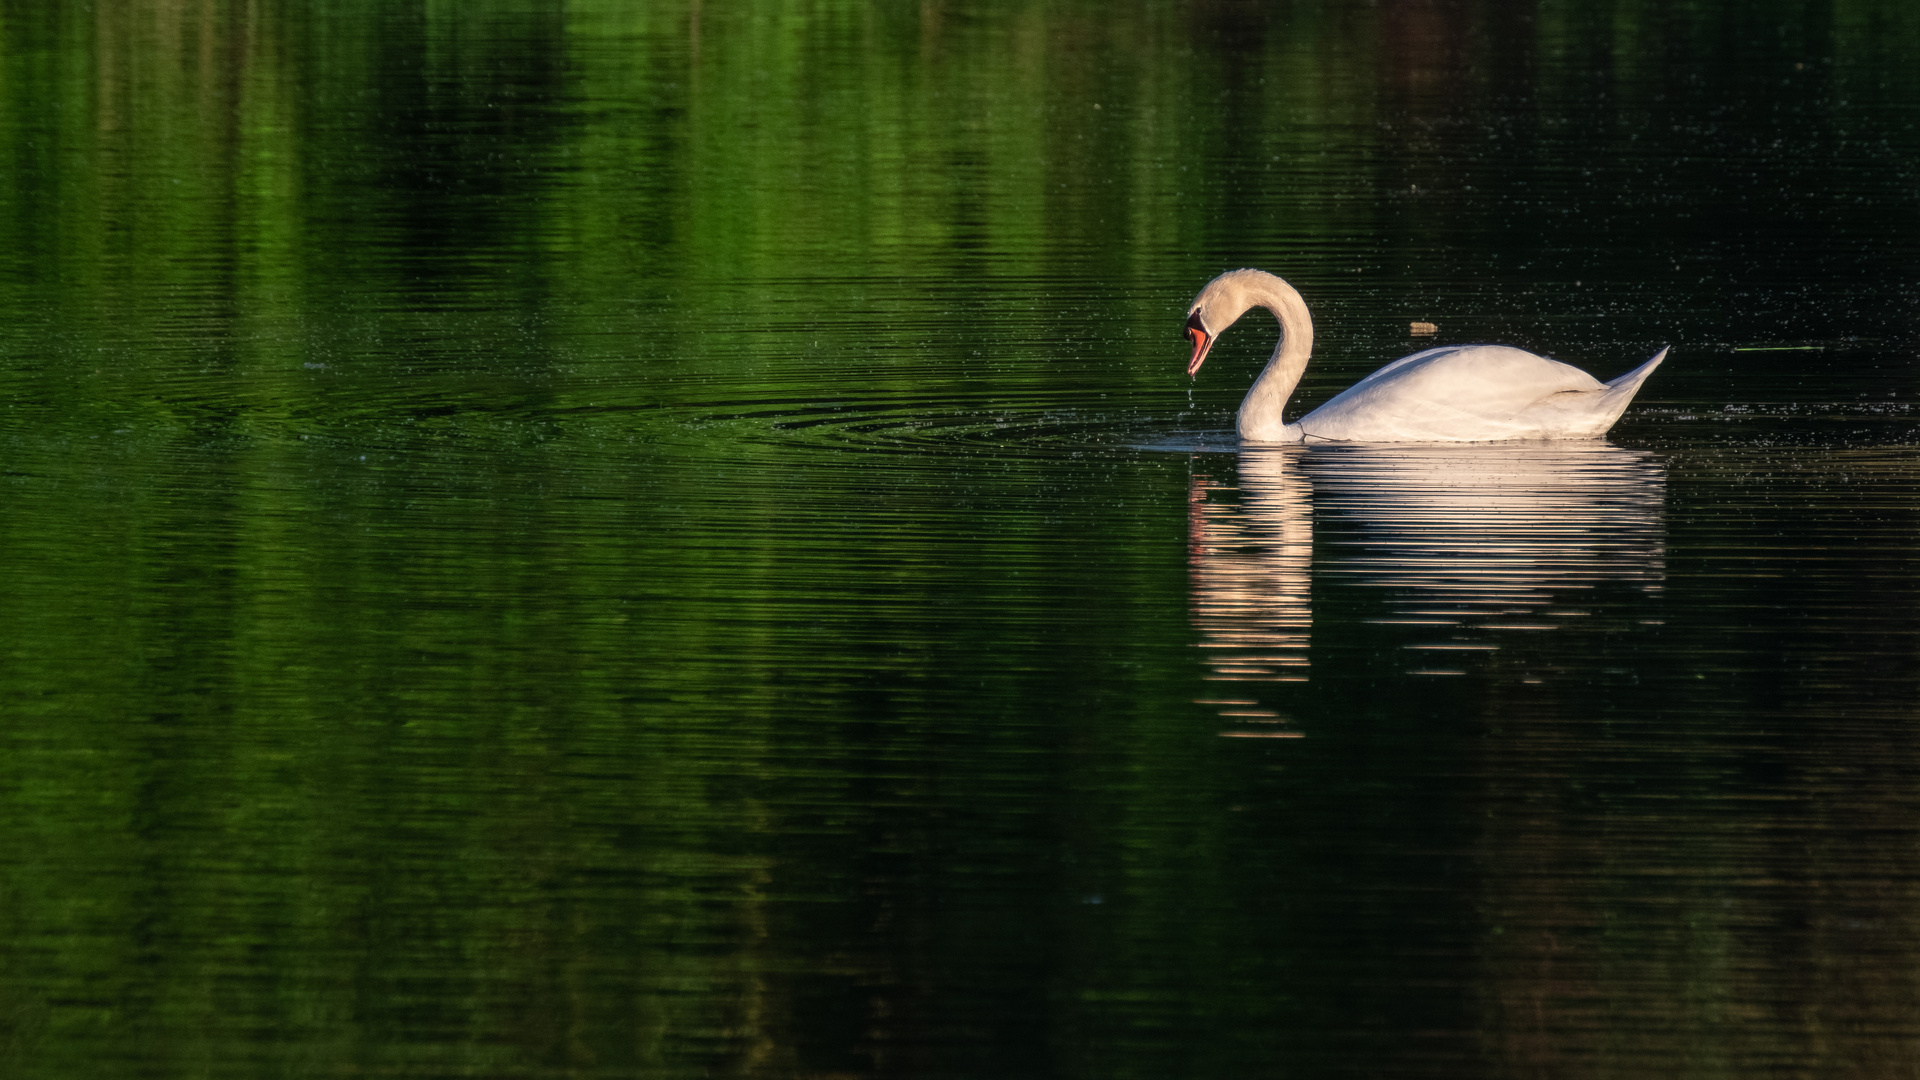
(1411, 358)
(1457, 394)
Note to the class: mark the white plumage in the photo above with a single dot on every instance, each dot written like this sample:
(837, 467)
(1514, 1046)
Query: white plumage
(1456, 393)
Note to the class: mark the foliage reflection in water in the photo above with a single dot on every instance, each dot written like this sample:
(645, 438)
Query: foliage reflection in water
(670, 540)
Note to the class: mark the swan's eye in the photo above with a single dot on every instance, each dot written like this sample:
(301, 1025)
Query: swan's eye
(1194, 323)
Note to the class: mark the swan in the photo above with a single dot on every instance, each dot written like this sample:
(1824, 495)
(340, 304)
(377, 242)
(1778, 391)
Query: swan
(1455, 393)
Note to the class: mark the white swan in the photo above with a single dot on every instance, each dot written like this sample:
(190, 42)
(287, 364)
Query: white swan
(1456, 393)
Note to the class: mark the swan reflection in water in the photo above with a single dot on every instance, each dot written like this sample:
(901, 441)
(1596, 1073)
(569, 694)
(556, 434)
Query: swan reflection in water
(1252, 563)
(1469, 544)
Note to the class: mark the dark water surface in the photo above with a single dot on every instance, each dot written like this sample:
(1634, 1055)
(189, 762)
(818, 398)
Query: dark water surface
(672, 540)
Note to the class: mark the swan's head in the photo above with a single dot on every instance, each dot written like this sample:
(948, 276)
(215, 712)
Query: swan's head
(1221, 304)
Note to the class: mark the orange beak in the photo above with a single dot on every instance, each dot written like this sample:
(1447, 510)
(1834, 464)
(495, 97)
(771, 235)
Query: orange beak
(1202, 341)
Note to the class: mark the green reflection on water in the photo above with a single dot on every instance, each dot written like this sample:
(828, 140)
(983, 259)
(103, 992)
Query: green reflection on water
(610, 540)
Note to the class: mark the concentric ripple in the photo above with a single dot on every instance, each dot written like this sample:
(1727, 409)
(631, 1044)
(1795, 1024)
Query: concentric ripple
(1050, 425)
(972, 424)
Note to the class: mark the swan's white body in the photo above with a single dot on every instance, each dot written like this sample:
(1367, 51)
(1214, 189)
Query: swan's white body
(1457, 393)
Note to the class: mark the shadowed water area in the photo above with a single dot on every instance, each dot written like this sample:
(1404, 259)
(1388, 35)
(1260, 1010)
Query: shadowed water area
(674, 540)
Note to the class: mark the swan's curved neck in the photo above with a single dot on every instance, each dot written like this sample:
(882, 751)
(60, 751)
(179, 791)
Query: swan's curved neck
(1261, 412)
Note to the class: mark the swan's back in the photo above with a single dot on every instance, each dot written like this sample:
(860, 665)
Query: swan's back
(1464, 393)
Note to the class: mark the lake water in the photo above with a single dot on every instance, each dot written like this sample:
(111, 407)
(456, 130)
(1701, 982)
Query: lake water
(674, 540)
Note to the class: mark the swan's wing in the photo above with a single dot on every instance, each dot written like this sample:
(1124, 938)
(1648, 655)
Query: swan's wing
(1405, 360)
(1466, 393)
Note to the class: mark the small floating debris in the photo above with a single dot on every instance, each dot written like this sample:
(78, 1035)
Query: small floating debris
(1422, 329)
(1778, 348)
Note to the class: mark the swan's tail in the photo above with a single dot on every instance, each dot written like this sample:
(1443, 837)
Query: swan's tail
(1630, 382)
(1619, 393)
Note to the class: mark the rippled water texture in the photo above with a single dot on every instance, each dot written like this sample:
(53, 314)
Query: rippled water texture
(674, 540)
